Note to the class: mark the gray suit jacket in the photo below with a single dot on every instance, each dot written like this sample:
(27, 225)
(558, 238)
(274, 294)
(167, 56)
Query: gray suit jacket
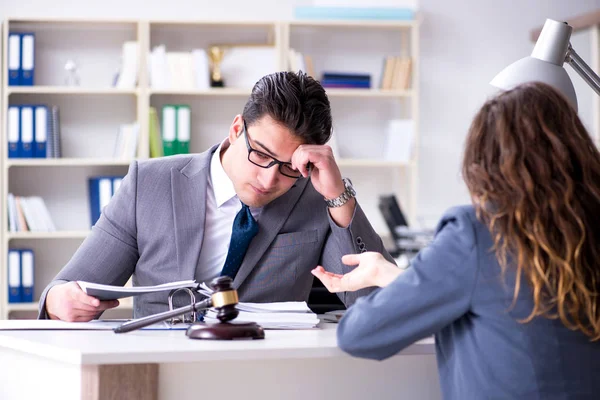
(153, 229)
(455, 290)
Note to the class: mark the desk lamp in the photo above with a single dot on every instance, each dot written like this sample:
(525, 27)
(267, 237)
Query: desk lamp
(545, 64)
(223, 299)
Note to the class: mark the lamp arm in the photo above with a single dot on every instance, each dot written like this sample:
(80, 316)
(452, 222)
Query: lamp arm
(584, 70)
(152, 319)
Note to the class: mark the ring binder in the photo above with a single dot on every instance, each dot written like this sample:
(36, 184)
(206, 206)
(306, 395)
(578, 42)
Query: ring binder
(193, 314)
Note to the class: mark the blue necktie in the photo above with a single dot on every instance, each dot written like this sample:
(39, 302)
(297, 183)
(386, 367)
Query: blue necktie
(244, 229)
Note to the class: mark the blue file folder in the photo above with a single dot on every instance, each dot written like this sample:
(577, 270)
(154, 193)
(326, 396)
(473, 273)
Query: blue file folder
(27, 59)
(27, 275)
(26, 132)
(14, 276)
(101, 190)
(13, 133)
(40, 124)
(14, 59)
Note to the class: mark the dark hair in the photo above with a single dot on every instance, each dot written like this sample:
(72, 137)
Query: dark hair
(295, 100)
(535, 174)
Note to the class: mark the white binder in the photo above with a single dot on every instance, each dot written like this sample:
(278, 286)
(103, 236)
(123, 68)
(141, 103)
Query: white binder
(14, 120)
(14, 276)
(14, 59)
(27, 131)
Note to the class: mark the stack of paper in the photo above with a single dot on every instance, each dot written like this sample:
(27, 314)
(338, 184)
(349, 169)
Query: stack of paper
(284, 315)
(280, 315)
(109, 292)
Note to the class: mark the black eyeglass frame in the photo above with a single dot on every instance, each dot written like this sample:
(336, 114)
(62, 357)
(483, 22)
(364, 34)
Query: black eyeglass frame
(274, 160)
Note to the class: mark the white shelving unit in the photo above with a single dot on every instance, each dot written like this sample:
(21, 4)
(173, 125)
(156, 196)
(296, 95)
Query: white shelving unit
(91, 113)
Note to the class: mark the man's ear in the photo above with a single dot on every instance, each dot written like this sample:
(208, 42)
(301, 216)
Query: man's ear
(236, 128)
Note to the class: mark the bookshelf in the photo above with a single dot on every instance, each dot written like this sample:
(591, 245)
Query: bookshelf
(91, 113)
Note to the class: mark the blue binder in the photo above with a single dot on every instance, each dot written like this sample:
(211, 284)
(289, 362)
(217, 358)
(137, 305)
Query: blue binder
(13, 133)
(14, 276)
(14, 59)
(27, 59)
(26, 132)
(40, 126)
(101, 191)
(27, 275)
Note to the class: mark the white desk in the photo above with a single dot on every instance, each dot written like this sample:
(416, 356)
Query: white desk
(167, 365)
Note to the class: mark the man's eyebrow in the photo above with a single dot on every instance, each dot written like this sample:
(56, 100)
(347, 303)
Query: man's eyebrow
(266, 149)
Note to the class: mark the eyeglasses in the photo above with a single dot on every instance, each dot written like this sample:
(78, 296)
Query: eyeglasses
(264, 160)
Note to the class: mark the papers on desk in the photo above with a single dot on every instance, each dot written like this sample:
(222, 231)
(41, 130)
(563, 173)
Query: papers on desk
(109, 292)
(94, 325)
(280, 315)
(284, 315)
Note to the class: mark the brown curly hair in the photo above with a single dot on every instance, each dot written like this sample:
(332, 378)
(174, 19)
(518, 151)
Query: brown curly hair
(534, 174)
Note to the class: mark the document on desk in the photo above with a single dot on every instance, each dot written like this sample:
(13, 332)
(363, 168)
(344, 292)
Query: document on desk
(109, 292)
(284, 315)
(278, 315)
(94, 325)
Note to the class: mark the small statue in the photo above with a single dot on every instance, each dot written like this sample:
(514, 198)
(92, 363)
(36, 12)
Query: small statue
(72, 76)
(215, 54)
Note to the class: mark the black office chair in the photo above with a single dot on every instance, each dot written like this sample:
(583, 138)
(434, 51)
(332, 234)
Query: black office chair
(321, 300)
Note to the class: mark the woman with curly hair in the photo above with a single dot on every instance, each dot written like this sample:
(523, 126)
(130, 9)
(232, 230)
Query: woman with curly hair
(510, 285)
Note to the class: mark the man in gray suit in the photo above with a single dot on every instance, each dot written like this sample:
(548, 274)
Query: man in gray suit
(265, 207)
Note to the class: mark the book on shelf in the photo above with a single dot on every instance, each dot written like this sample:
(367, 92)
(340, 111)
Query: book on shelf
(179, 70)
(21, 59)
(128, 72)
(126, 142)
(156, 144)
(396, 73)
(346, 80)
(112, 292)
(28, 214)
(243, 66)
(21, 272)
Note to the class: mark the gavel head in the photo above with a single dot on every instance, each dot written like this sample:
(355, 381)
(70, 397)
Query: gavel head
(224, 298)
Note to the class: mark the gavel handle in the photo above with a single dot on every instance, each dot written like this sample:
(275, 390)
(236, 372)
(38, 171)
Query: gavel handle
(163, 316)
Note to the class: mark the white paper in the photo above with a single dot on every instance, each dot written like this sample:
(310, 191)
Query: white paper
(94, 325)
(109, 292)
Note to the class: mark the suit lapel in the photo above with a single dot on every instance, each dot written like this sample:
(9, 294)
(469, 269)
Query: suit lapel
(188, 188)
(270, 222)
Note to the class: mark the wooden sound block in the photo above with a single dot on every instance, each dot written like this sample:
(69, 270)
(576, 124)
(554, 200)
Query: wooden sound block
(225, 331)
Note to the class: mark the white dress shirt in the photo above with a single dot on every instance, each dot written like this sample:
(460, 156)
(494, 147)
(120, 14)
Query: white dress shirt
(222, 205)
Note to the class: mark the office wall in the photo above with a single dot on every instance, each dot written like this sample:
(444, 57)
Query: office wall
(464, 43)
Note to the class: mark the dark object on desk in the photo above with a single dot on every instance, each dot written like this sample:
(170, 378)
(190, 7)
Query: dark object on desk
(223, 299)
(225, 331)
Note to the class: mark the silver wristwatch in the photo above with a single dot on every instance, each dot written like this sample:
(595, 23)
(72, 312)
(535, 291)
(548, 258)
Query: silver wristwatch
(344, 197)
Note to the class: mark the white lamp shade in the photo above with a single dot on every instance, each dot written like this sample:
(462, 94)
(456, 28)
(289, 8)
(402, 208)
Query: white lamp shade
(531, 69)
(545, 63)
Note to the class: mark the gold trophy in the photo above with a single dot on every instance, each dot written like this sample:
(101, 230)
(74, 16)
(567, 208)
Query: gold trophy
(216, 53)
